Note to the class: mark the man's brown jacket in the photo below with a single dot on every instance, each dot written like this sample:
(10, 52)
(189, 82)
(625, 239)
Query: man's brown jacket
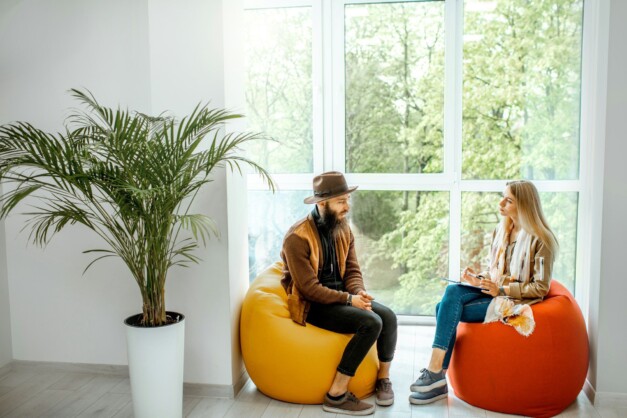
(302, 258)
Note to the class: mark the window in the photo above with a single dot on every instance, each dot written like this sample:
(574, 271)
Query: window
(278, 87)
(430, 107)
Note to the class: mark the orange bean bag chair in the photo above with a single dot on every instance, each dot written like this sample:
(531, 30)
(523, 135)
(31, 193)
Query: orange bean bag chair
(495, 368)
(287, 361)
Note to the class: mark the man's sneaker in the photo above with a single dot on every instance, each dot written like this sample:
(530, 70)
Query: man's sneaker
(422, 398)
(349, 404)
(384, 393)
(428, 381)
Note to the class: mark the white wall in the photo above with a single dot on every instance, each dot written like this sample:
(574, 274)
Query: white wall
(609, 351)
(186, 62)
(148, 55)
(237, 204)
(47, 48)
(6, 348)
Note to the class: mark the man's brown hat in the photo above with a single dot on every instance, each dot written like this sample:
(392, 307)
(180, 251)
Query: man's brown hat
(329, 185)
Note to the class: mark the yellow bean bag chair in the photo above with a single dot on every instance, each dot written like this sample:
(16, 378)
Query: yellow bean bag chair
(287, 361)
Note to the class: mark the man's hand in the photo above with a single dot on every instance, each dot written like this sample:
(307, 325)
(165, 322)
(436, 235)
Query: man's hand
(365, 294)
(361, 302)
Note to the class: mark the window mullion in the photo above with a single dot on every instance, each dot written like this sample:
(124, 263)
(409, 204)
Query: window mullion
(454, 20)
(319, 116)
(336, 157)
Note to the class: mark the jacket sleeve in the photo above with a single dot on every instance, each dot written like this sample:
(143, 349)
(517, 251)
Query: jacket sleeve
(353, 280)
(296, 257)
(540, 281)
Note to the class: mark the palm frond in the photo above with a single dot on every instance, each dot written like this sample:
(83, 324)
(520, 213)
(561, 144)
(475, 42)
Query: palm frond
(200, 226)
(129, 177)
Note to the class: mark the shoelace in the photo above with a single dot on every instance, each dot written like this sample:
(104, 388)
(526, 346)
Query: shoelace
(351, 397)
(424, 374)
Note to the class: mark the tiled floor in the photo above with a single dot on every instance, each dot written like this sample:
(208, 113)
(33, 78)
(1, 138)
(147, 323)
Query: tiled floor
(32, 394)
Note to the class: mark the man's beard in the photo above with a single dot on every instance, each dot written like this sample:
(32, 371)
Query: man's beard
(330, 221)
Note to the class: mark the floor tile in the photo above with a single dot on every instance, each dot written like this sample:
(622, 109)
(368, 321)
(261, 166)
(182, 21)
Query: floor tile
(37, 393)
(282, 409)
(211, 407)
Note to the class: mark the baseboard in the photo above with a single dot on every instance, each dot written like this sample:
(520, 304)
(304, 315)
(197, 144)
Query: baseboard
(53, 366)
(189, 389)
(216, 391)
(588, 389)
(611, 399)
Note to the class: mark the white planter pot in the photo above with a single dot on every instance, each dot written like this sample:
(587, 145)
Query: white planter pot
(155, 363)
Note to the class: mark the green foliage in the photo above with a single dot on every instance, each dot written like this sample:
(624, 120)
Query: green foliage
(420, 245)
(521, 90)
(128, 177)
(520, 119)
(394, 88)
(375, 213)
(278, 82)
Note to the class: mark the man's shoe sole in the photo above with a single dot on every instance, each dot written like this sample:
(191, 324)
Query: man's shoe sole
(334, 410)
(426, 401)
(384, 402)
(423, 389)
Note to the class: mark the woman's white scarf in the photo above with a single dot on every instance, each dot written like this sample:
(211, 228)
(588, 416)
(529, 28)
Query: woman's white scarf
(520, 261)
(502, 308)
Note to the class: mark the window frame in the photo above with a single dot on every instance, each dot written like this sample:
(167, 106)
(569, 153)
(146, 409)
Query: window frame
(329, 129)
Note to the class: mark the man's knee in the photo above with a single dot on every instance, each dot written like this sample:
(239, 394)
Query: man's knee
(389, 319)
(387, 315)
(372, 324)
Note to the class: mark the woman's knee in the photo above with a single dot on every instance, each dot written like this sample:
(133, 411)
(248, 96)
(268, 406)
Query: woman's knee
(452, 293)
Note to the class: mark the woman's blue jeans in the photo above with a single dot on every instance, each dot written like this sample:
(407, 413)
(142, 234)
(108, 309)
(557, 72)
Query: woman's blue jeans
(459, 303)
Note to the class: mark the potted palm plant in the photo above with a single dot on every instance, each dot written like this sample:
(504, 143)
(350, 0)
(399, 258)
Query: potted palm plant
(131, 179)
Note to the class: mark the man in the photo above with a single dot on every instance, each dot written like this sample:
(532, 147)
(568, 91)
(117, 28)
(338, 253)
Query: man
(325, 288)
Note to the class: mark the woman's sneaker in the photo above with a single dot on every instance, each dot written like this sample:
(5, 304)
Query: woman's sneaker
(422, 398)
(349, 404)
(428, 381)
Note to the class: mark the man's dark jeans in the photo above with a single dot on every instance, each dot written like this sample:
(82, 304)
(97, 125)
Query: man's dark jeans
(368, 326)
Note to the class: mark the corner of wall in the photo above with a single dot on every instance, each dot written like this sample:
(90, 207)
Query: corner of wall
(236, 182)
(6, 343)
(238, 264)
(594, 101)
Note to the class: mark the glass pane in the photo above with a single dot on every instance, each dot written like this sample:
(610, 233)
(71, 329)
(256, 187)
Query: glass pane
(402, 246)
(521, 89)
(480, 216)
(278, 87)
(269, 217)
(394, 57)
(560, 210)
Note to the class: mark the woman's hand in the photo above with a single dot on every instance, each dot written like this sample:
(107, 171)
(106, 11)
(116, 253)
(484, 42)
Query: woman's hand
(489, 287)
(469, 276)
(362, 302)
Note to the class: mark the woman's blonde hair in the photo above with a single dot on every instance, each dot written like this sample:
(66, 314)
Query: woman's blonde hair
(530, 214)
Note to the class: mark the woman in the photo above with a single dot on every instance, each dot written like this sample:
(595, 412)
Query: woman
(521, 260)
